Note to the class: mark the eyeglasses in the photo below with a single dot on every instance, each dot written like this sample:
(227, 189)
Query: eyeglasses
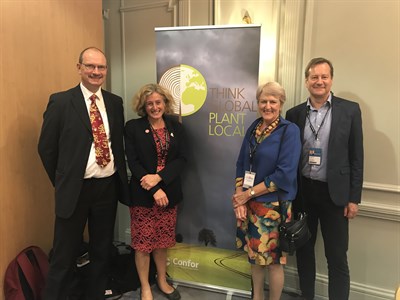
(90, 67)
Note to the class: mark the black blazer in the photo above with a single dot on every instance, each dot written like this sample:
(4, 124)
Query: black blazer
(141, 153)
(65, 141)
(345, 149)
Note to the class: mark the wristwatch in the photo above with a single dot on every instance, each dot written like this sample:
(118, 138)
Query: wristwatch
(252, 192)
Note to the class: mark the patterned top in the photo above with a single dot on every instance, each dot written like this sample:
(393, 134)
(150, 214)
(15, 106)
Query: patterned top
(161, 138)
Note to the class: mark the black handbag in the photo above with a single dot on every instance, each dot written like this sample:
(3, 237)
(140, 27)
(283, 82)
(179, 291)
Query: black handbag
(294, 234)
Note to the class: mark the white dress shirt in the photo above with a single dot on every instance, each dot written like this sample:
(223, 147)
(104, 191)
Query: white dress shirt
(93, 170)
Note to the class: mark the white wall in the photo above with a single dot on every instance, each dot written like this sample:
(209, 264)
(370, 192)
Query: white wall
(361, 38)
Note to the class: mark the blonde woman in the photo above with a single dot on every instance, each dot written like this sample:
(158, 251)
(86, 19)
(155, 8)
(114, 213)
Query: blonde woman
(155, 148)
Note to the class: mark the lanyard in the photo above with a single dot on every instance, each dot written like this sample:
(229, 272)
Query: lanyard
(164, 147)
(315, 133)
(252, 151)
(266, 132)
(253, 148)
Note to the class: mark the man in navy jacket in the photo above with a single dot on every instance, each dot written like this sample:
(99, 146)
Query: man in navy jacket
(330, 176)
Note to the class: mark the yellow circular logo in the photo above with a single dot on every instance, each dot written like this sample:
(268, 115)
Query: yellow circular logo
(188, 87)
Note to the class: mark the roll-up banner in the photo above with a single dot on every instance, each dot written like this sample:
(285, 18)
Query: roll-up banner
(212, 72)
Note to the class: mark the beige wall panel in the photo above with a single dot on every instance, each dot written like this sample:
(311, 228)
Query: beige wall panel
(200, 12)
(40, 44)
(264, 13)
(363, 41)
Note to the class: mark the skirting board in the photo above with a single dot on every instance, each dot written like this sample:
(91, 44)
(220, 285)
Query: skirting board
(358, 291)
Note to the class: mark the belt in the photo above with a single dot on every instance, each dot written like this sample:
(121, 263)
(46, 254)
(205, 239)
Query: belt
(313, 181)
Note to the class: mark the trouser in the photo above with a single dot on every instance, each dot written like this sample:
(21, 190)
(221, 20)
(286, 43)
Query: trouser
(96, 205)
(335, 234)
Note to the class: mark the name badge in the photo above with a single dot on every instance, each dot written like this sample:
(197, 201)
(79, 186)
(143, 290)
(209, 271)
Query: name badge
(248, 181)
(314, 156)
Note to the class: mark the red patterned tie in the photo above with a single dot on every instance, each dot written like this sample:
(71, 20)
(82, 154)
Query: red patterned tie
(99, 134)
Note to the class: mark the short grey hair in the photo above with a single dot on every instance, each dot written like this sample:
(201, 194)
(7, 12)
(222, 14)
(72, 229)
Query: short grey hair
(272, 88)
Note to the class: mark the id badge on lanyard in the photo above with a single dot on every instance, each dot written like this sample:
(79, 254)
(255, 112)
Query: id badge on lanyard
(315, 154)
(249, 176)
(248, 181)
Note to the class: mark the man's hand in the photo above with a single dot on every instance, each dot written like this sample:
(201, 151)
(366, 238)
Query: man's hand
(351, 210)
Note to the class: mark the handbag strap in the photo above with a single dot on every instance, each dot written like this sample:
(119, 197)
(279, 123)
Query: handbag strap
(299, 198)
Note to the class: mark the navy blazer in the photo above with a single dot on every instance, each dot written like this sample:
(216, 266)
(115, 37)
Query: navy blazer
(65, 141)
(141, 153)
(345, 165)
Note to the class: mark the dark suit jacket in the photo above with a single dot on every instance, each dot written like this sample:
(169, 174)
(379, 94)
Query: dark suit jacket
(65, 142)
(345, 155)
(141, 153)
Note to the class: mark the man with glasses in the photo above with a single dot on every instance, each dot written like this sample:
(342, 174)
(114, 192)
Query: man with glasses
(81, 147)
(331, 176)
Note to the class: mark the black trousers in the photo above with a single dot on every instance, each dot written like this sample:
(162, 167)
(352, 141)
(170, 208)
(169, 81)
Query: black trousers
(335, 233)
(96, 206)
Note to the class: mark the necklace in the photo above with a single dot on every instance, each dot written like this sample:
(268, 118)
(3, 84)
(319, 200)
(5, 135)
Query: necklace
(267, 129)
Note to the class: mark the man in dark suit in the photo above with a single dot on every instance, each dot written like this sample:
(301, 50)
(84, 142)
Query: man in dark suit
(87, 183)
(330, 176)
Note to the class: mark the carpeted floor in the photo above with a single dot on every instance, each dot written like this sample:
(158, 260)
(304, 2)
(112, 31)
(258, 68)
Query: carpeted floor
(189, 293)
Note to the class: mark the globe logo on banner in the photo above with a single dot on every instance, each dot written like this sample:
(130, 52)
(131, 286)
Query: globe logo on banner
(188, 87)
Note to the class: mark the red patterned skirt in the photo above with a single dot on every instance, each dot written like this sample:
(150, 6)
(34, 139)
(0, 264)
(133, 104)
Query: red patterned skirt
(152, 228)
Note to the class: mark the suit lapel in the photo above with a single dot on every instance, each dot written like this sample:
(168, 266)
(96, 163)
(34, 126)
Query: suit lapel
(78, 101)
(109, 109)
(171, 129)
(336, 115)
(148, 134)
(302, 119)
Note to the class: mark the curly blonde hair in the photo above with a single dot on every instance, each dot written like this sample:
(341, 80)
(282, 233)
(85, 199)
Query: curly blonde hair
(139, 100)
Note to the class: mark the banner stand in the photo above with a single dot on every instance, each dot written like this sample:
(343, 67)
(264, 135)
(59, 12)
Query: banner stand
(212, 71)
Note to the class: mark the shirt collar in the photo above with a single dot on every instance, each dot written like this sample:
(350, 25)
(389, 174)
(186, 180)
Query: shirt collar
(328, 102)
(86, 93)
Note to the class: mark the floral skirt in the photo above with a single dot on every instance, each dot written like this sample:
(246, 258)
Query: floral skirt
(258, 235)
(152, 228)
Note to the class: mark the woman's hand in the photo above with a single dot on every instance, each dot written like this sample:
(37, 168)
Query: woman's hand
(161, 199)
(240, 198)
(149, 181)
(241, 212)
